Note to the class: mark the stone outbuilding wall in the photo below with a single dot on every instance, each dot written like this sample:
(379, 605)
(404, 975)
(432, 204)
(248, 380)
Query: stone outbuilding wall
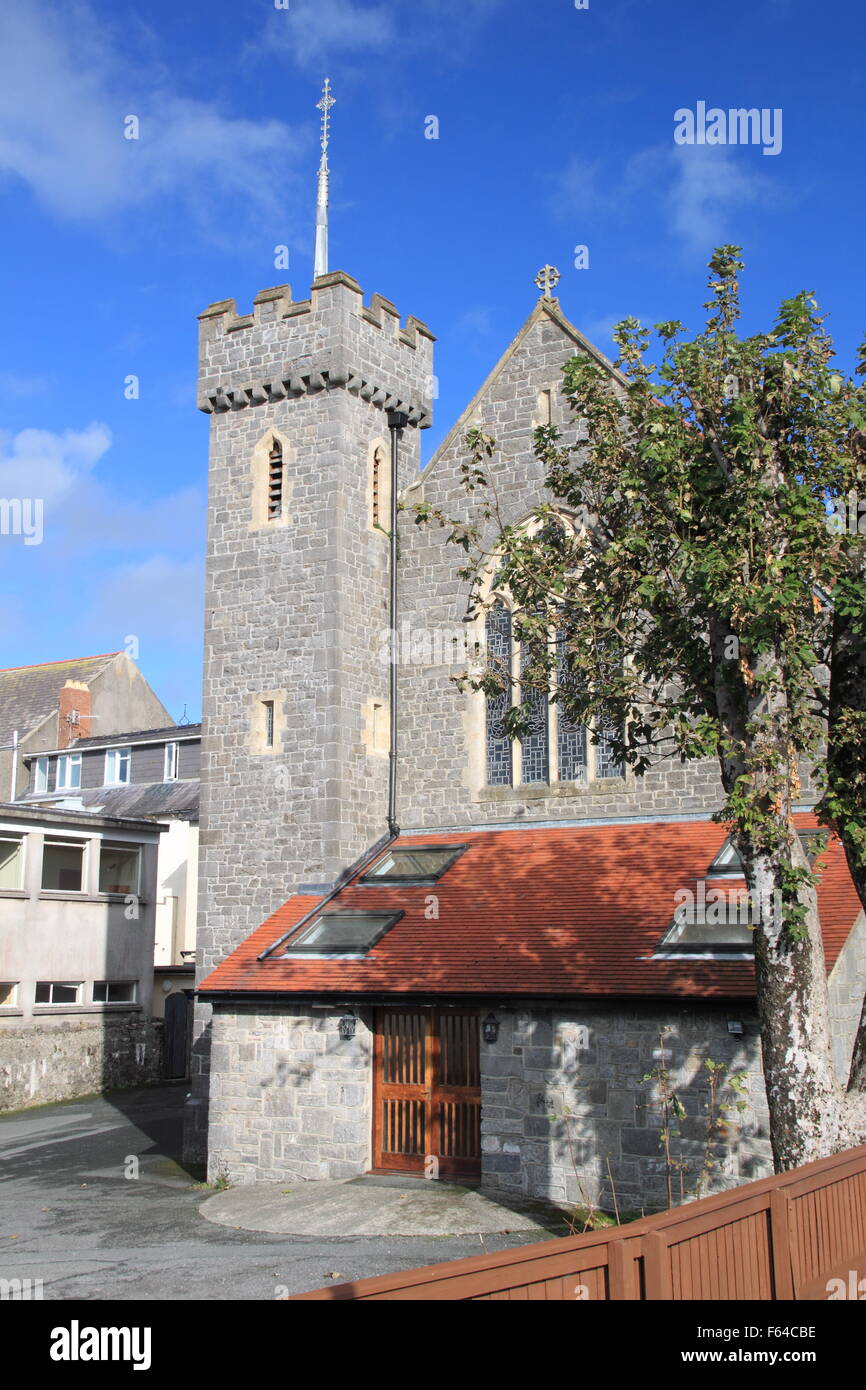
(568, 1115)
(571, 1095)
(288, 1097)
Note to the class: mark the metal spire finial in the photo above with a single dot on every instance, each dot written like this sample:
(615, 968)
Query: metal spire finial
(547, 279)
(320, 260)
(324, 106)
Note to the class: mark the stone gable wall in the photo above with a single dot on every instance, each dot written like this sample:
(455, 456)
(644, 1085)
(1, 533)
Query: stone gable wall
(441, 726)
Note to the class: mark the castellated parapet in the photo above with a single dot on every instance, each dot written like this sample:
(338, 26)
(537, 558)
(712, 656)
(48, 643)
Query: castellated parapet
(332, 340)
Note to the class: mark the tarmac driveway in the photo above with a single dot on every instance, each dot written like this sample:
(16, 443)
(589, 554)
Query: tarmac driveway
(94, 1202)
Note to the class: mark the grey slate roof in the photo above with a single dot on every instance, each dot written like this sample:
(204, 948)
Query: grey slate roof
(146, 799)
(172, 731)
(28, 694)
(143, 799)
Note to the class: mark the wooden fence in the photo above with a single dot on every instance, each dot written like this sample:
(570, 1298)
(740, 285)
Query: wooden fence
(784, 1237)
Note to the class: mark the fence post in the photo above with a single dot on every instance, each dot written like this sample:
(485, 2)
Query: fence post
(656, 1264)
(622, 1277)
(780, 1244)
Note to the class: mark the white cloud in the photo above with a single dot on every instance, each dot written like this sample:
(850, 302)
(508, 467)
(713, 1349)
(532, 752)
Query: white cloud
(108, 566)
(39, 463)
(709, 183)
(159, 600)
(65, 91)
(314, 33)
(317, 30)
(83, 514)
(476, 322)
(695, 188)
(578, 189)
(16, 386)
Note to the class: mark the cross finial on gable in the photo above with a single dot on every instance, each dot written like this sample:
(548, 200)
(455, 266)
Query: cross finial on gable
(547, 280)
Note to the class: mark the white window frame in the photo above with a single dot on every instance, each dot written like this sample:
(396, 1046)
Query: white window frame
(172, 761)
(112, 984)
(116, 755)
(72, 843)
(11, 838)
(134, 848)
(41, 769)
(12, 1001)
(59, 1004)
(66, 763)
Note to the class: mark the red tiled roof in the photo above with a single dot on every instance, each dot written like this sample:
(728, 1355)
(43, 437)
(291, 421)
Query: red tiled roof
(556, 911)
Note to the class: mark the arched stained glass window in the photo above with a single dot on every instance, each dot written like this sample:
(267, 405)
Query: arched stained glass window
(535, 744)
(570, 737)
(498, 630)
(607, 764)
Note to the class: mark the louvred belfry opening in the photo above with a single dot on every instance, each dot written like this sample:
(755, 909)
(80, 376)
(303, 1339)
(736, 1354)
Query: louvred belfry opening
(427, 1093)
(275, 481)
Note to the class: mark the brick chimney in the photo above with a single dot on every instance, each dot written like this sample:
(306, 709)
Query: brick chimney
(73, 716)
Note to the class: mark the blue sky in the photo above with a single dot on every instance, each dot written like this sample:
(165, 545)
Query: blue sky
(555, 130)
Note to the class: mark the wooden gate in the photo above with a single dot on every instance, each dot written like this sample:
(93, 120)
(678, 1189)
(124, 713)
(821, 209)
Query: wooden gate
(427, 1093)
(178, 1034)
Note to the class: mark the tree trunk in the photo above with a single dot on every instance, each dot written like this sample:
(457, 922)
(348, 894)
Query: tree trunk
(810, 1114)
(806, 1101)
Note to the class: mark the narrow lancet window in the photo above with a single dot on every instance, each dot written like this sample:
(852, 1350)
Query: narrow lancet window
(275, 481)
(607, 764)
(570, 736)
(498, 630)
(378, 459)
(534, 744)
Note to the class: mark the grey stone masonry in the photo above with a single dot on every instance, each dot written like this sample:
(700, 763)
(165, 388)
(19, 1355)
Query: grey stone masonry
(289, 1097)
(65, 1059)
(442, 751)
(295, 605)
(566, 1113)
(571, 1095)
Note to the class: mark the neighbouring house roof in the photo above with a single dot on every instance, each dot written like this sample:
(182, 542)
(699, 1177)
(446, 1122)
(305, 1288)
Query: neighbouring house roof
(134, 799)
(29, 694)
(546, 911)
(172, 733)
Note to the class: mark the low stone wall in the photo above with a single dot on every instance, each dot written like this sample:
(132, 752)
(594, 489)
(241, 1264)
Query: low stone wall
(288, 1097)
(71, 1057)
(566, 1113)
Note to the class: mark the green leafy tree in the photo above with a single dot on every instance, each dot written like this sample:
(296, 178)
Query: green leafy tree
(710, 603)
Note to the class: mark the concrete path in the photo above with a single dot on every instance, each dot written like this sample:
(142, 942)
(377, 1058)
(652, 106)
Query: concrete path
(95, 1204)
(367, 1207)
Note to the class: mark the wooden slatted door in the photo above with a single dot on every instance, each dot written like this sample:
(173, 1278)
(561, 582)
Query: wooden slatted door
(427, 1093)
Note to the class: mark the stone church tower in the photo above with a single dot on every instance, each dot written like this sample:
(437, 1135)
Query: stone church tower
(295, 704)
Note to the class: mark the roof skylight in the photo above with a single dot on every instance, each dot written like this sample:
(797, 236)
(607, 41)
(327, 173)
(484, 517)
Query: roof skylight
(343, 933)
(728, 861)
(413, 864)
